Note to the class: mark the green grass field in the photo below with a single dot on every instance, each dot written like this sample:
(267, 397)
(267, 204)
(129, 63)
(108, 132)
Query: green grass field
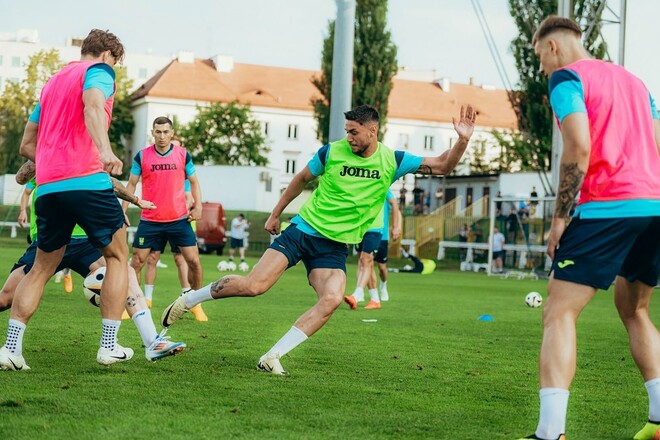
(427, 369)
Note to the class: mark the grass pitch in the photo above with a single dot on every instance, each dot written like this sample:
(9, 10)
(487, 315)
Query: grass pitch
(427, 369)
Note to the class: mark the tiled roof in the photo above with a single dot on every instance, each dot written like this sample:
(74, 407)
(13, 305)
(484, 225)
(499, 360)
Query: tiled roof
(278, 87)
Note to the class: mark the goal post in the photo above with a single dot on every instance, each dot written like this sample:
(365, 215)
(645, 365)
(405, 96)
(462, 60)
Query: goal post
(525, 224)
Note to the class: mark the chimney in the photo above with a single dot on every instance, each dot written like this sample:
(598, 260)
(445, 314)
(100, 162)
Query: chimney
(444, 84)
(223, 63)
(472, 80)
(186, 57)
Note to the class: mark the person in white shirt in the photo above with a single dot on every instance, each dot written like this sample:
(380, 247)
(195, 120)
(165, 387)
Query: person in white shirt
(238, 226)
(498, 250)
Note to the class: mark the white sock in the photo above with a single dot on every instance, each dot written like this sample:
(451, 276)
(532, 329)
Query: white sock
(552, 421)
(373, 295)
(383, 285)
(293, 338)
(199, 296)
(109, 334)
(149, 291)
(15, 337)
(358, 292)
(145, 326)
(186, 290)
(653, 388)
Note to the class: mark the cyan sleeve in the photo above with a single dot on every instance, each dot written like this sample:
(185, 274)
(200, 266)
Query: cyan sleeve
(566, 94)
(136, 168)
(409, 164)
(36, 114)
(186, 186)
(317, 163)
(32, 184)
(654, 109)
(190, 166)
(100, 76)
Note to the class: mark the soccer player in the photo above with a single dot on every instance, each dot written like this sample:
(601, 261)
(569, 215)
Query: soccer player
(374, 247)
(164, 168)
(67, 138)
(611, 134)
(356, 173)
(239, 225)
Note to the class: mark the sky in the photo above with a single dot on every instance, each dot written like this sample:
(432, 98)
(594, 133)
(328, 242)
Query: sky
(439, 35)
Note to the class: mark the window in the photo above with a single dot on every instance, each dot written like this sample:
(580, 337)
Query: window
(264, 128)
(293, 131)
(142, 73)
(428, 143)
(291, 166)
(404, 138)
(269, 185)
(15, 61)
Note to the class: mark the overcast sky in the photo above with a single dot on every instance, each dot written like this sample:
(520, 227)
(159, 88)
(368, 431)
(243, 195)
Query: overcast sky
(441, 35)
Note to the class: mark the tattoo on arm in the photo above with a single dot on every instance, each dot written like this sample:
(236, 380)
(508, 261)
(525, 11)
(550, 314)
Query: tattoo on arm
(569, 185)
(120, 190)
(217, 286)
(424, 169)
(25, 173)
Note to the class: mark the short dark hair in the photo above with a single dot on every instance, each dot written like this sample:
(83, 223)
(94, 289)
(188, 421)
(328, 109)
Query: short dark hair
(99, 41)
(363, 114)
(162, 120)
(555, 23)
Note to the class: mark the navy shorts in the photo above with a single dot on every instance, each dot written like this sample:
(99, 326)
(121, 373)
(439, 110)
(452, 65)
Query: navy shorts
(593, 252)
(236, 243)
(79, 255)
(380, 256)
(498, 254)
(370, 242)
(315, 252)
(98, 212)
(173, 248)
(154, 235)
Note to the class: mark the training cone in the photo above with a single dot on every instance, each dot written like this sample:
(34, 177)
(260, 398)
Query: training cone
(485, 318)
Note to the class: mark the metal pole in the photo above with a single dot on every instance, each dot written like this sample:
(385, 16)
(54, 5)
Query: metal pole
(342, 67)
(622, 34)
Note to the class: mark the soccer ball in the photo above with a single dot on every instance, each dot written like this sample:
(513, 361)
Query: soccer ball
(223, 266)
(231, 266)
(92, 286)
(533, 299)
(243, 267)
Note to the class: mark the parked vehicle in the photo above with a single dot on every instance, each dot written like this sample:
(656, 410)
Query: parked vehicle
(211, 229)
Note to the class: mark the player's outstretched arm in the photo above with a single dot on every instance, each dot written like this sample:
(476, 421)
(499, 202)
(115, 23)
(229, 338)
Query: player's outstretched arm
(447, 161)
(25, 172)
(126, 195)
(293, 190)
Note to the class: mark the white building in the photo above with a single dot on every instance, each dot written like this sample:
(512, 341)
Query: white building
(419, 116)
(17, 48)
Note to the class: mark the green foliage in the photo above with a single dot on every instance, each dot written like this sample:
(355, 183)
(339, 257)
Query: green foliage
(17, 102)
(531, 149)
(122, 124)
(225, 134)
(427, 369)
(374, 66)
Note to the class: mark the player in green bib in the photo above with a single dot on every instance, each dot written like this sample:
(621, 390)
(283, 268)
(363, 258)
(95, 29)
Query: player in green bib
(356, 173)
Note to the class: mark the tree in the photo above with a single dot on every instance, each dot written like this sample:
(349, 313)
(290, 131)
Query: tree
(225, 134)
(374, 66)
(530, 149)
(17, 102)
(122, 123)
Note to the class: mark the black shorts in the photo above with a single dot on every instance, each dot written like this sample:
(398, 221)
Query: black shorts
(98, 212)
(79, 255)
(498, 254)
(236, 243)
(315, 252)
(380, 256)
(593, 252)
(173, 248)
(370, 242)
(154, 235)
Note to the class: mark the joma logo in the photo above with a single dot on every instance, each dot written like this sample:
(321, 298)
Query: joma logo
(360, 172)
(162, 167)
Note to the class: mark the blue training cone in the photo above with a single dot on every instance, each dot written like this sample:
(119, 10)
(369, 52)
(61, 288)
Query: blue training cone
(485, 318)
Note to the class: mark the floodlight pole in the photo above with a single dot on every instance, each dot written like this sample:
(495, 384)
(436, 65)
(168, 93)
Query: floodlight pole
(342, 67)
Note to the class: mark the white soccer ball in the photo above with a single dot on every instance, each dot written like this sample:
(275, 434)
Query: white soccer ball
(533, 299)
(243, 267)
(223, 266)
(92, 286)
(231, 266)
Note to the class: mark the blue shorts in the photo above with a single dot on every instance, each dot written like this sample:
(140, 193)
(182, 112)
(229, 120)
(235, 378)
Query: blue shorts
(315, 252)
(380, 256)
(173, 248)
(370, 242)
(593, 252)
(236, 243)
(79, 255)
(98, 212)
(498, 254)
(154, 235)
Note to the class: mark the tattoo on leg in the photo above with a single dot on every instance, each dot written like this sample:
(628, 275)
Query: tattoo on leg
(217, 286)
(131, 301)
(569, 185)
